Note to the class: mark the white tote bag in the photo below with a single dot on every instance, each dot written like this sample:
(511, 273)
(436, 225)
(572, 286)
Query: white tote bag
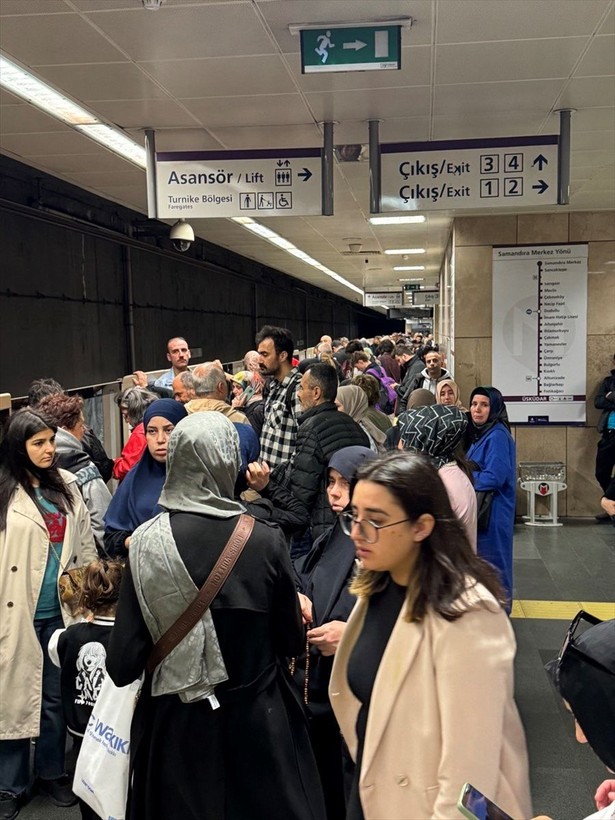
(101, 774)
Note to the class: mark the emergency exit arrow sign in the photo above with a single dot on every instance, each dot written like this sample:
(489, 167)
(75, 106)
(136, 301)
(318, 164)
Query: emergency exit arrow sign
(355, 48)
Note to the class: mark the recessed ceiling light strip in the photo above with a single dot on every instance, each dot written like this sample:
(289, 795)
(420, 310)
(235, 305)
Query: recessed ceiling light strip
(19, 81)
(271, 236)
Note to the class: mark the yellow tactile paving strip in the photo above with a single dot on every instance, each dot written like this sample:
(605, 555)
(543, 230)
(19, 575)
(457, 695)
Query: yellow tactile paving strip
(561, 610)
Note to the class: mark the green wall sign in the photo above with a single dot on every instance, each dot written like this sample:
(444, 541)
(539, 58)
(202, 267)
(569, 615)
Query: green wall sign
(364, 48)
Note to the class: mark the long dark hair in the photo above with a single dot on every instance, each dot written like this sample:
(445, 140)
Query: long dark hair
(445, 559)
(17, 469)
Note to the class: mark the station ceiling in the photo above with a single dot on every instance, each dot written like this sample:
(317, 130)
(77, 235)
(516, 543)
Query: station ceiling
(226, 74)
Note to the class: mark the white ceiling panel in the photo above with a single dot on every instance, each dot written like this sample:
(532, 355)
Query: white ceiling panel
(55, 39)
(509, 60)
(23, 119)
(102, 81)
(133, 113)
(186, 31)
(472, 22)
(599, 58)
(287, 136)
(24, 7)
(484, 98)
(222, 77)
(264, 109)
(226, 75)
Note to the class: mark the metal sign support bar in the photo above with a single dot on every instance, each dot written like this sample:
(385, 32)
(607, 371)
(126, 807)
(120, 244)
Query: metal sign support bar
(327, 170)
(375, 183)
(150, 171)
(563, 163)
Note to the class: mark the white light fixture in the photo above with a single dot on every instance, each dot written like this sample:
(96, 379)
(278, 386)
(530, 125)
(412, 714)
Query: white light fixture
(416, 279)
(19, 81)
(409, 267)
(395, 220)
(402, 251)
(271, 236)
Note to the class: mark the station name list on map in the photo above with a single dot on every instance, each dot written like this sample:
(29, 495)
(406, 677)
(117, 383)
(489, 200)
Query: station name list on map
(504, 172)
(539, 331)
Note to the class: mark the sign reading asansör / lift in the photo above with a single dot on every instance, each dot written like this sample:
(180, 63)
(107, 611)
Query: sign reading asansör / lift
(209, 184)
(356, 48)
(504, 172)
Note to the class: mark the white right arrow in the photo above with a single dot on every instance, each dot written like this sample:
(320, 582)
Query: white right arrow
(356, 45)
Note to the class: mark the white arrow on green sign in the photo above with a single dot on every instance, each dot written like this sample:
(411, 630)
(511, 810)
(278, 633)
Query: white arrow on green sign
(361, 48)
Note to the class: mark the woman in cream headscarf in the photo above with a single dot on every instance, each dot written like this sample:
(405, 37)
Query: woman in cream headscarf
(447, 393)
(217, 727)
(353, 401)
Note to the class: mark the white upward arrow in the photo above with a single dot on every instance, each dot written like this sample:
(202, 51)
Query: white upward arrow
(356, 45)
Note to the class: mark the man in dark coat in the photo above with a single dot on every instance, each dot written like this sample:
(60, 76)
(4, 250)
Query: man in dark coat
(605, 455)
(411, 365)
(323, 430)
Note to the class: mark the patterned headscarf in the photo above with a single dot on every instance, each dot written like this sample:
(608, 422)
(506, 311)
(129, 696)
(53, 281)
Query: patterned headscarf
(203, 462)
(435, 431)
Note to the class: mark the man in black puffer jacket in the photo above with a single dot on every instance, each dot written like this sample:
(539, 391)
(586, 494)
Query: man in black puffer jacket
(323, 430)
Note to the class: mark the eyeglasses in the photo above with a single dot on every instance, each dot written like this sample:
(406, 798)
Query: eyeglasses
(571, 633)
(367, 529)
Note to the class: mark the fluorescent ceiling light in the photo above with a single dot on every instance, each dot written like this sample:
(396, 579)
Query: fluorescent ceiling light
(401, 251)
(271, 236)
(25, 85)
(395, 220)
(416, 279)
(409, 267)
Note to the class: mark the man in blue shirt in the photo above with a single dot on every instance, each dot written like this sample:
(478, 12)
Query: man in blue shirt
(178, 353)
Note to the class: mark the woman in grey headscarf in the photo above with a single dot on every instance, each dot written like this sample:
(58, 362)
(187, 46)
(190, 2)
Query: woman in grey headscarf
(353, 401)
(218, 731)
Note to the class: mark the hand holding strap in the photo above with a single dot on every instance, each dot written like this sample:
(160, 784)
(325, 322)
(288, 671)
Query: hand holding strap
(192, 615)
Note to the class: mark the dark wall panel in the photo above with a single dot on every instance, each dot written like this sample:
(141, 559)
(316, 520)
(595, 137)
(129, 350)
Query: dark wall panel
(68, 259)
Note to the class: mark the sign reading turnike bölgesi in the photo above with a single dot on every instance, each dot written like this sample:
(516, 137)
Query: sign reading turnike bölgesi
(259, 183)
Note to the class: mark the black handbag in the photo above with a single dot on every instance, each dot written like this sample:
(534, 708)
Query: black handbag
(484, 500)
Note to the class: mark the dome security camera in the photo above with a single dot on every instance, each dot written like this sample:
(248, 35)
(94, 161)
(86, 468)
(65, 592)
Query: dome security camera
(181, 235)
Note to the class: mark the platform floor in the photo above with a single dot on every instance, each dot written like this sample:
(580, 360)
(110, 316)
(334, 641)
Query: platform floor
(556, 571)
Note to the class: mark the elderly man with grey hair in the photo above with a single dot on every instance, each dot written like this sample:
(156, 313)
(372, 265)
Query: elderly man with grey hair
(183, 387)
(212, 392)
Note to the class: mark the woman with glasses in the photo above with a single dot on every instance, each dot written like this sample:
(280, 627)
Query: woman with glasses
(422, 682)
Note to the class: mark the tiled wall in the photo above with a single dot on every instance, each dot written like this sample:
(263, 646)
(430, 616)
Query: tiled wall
(473, 239)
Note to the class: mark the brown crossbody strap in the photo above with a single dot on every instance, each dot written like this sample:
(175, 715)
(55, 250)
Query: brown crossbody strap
(215, 580)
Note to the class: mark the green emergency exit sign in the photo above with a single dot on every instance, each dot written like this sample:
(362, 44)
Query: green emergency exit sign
(366, 48)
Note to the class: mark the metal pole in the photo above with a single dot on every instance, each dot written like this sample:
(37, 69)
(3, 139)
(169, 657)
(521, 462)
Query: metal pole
(327, 170)
(374, 167)
(150, 172)
(563, 162)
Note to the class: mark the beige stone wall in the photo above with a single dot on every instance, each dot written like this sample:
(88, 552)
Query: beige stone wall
(474, 238)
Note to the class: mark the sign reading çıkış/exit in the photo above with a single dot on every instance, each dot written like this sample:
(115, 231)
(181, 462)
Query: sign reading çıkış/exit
(505, 172)
(367, 48)
(206, 184)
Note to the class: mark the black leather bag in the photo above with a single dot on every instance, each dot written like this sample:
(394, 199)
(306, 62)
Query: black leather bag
(484, 500)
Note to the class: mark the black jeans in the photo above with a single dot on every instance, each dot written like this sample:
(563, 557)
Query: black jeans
(605, 459)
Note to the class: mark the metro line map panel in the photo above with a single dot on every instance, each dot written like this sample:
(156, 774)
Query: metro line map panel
(539, 332)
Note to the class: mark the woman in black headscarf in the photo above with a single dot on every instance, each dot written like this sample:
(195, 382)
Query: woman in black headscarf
(492, 449)
(218, 731)
(324, 576)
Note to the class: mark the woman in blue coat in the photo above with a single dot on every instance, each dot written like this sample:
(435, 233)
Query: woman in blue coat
(492, 449)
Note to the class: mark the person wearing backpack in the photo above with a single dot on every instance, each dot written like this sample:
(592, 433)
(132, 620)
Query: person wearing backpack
(386, 401)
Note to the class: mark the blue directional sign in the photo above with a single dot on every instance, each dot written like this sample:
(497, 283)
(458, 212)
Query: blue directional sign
(508, 172)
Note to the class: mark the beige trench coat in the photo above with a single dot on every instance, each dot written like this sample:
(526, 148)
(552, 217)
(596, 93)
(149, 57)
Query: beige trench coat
(441, 713)
(23, 557)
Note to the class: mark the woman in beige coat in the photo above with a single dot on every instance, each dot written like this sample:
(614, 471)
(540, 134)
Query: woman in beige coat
(422, 684)
(44, 529)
